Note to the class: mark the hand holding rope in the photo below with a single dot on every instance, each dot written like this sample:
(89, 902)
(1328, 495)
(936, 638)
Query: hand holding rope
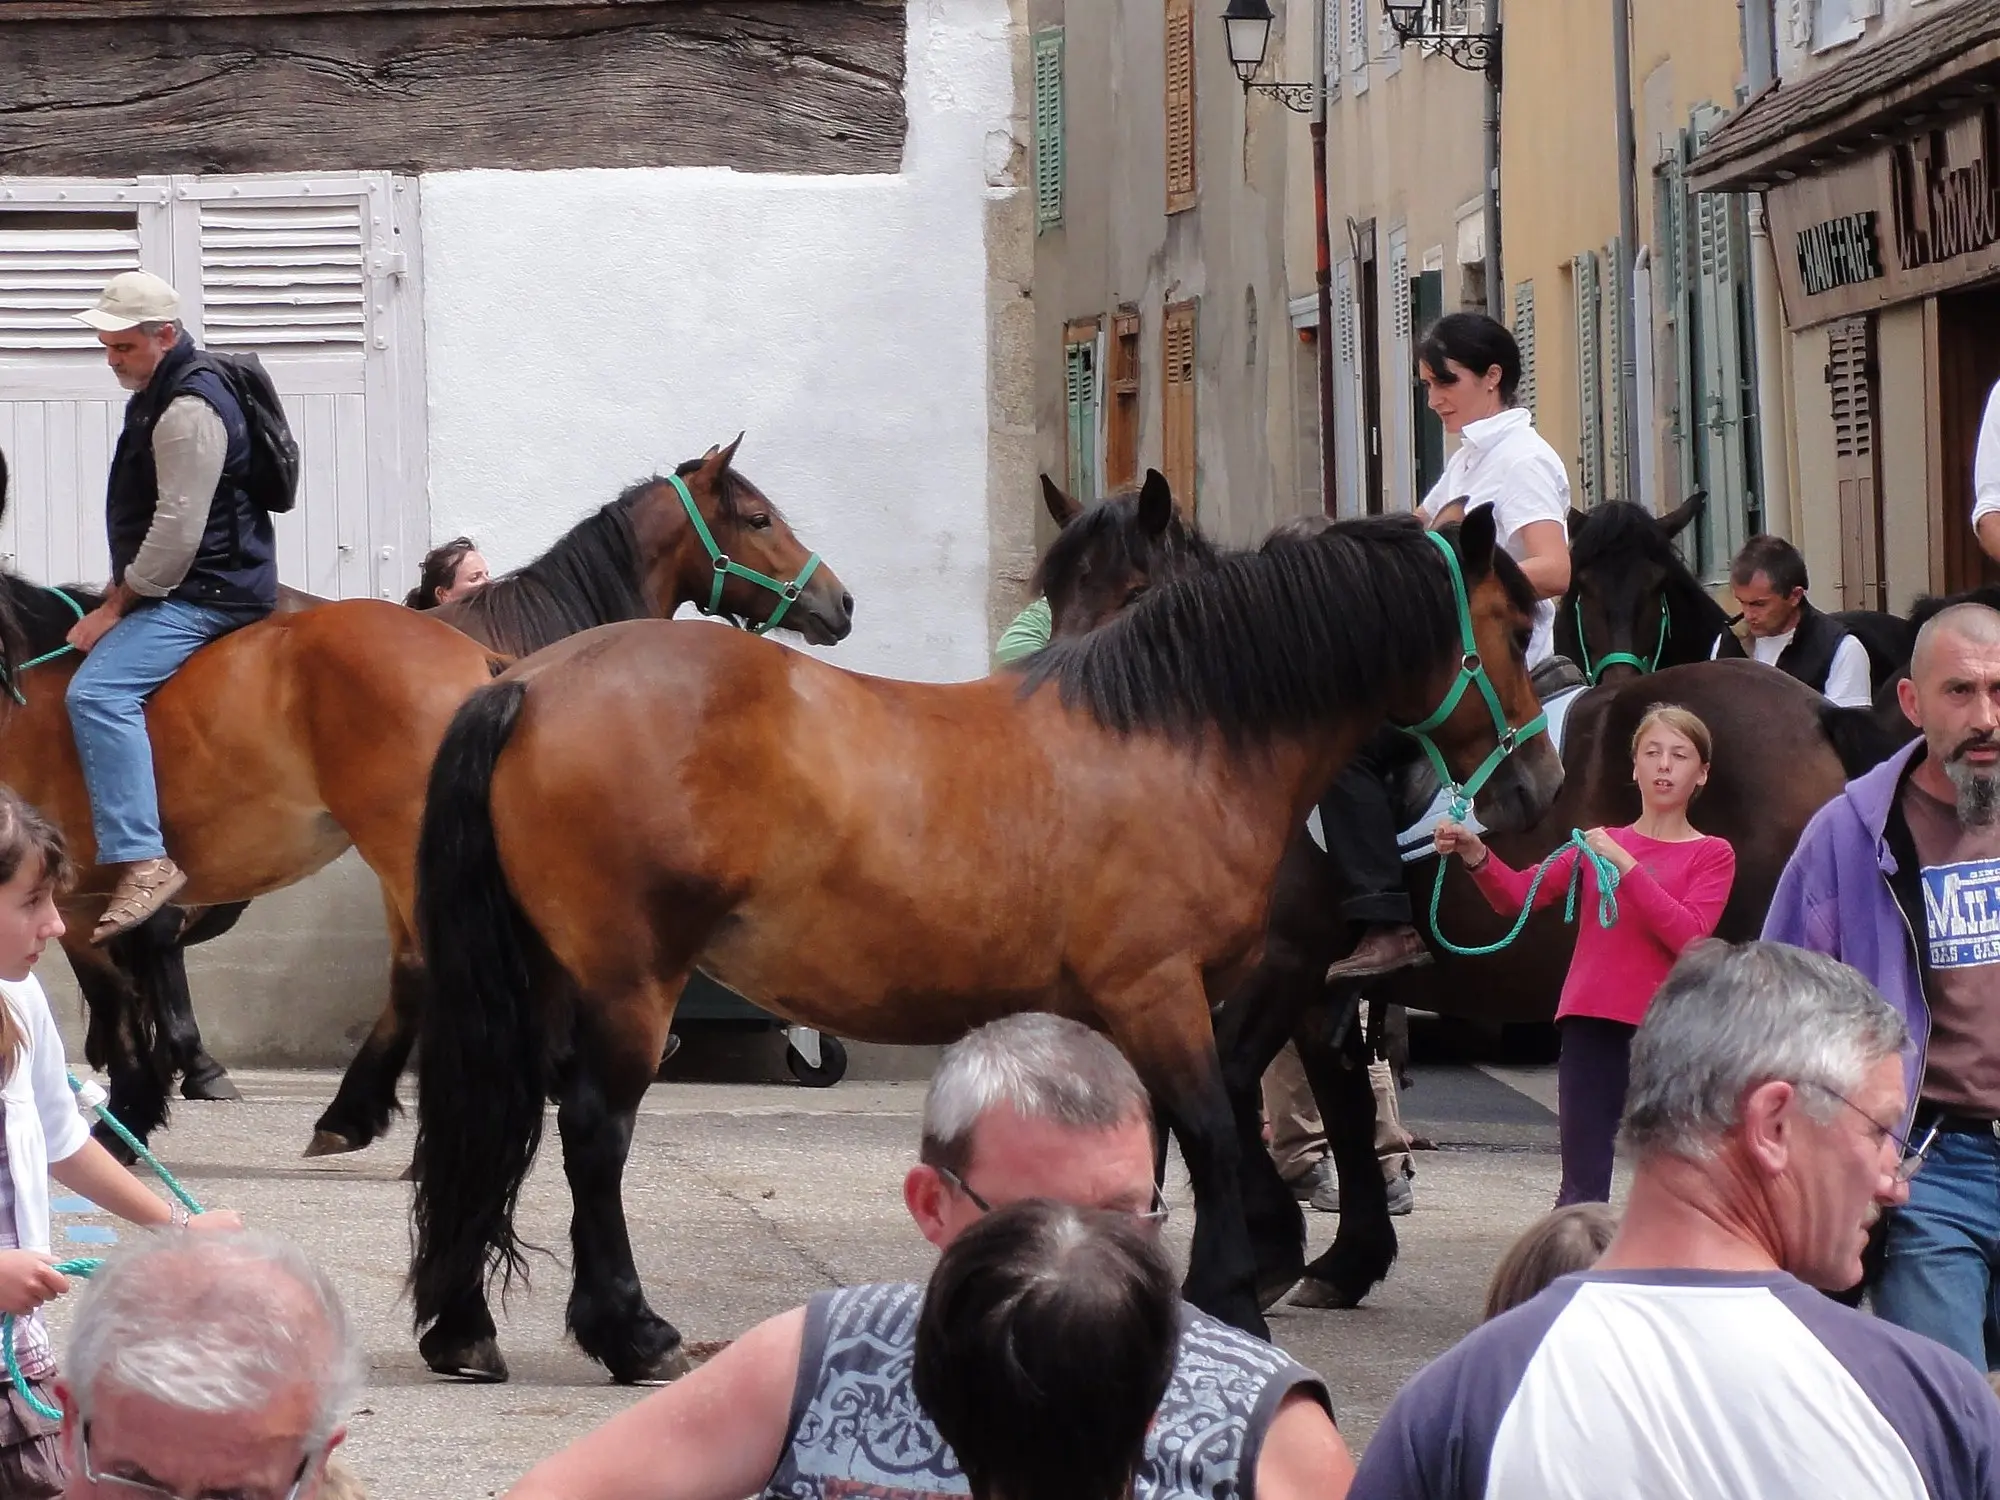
(1607, 893)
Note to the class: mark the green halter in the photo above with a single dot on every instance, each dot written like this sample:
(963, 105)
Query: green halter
(12, 680)
(725, 567)
(1471, 670)
(1621, 658)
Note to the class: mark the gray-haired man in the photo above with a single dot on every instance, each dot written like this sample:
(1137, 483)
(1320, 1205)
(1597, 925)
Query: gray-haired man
(207, 1365)
(817, 1402)
(1696, 1358)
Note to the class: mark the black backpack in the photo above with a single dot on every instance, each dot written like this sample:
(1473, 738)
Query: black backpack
(273, 482)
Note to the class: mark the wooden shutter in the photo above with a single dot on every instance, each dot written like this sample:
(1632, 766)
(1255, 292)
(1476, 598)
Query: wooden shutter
(284, 274)
(1524, 335)
(1589, 378)
(1080, 397)
(1357, 42)
(1049, 164)
(1616, 291)
(54, 269)
(1401, 359)
(1181, 152)
(1177, 442)
(1850, 378)
(1121, 440)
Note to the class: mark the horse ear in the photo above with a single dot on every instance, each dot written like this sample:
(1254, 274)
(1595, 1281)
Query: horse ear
(1062, 509)
(1578, 519)
(1156, 503)
(1677, 520)
(728, 454)
(1475, 542)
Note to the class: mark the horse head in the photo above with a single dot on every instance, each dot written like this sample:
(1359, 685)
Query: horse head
(1108, 555)
(709, 536)
(1633, 606)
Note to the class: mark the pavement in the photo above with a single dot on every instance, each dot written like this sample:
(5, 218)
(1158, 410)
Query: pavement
(745, 1198)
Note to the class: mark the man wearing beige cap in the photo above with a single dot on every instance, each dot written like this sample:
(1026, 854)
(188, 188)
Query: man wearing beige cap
(192, 558)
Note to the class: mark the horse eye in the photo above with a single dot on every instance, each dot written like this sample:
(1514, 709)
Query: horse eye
(758, 523)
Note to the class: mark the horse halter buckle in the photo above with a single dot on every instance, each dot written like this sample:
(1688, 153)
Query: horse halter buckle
(723, 567)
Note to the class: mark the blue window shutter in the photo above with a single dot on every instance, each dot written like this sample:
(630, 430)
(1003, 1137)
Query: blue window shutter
(1080, 393)
(1048, 128)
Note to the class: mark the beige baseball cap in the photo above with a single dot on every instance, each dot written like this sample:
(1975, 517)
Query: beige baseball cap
(132, 298)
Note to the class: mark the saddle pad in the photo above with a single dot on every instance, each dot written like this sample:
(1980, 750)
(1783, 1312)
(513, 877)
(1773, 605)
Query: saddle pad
(1414, 842)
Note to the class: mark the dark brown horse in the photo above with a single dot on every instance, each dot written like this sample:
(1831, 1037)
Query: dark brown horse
(1781, 751)
(899, 862)
(287, 742)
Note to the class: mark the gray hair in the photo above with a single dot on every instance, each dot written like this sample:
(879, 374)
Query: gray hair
(1730, 1018)
(159, 326)
(217, 1323)
(1043, 1067)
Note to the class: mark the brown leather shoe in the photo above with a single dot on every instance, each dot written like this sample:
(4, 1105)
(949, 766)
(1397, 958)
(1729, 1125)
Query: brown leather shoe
(145, 887)
(1382, 950)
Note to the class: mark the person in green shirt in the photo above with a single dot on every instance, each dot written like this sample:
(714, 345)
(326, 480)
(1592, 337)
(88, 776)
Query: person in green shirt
(1027, 635)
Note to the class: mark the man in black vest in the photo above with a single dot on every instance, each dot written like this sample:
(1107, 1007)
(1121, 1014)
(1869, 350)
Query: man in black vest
(1786, 632)
(192, 558)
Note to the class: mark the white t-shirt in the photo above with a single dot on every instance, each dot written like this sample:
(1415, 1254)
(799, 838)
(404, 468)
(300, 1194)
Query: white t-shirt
(1986, 460)
(1848, 682)
(1503, 462)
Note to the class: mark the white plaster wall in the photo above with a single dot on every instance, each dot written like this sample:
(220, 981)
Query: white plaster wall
(584, 329)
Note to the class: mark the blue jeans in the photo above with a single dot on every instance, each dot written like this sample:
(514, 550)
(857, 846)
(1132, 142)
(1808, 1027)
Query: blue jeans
(107, 714)
(1943, 1250)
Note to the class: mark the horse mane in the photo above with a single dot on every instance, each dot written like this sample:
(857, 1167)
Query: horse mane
(1271, 642)
(1110, 529)
(589, 577)
(1620, 529)
(1929, 605)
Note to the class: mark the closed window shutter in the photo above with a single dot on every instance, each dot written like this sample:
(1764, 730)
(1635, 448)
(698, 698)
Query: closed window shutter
(284, 274)
(1177, 427)
(1613, 299)
(1589, 379)
(1048, 128)
(1403, 460)
(1357, 43)
(1524, 335)
(1180, 106)
(46, 274)
(1850, 378)
(1080, 389)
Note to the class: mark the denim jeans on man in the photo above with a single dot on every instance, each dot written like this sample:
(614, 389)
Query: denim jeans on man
(107, 713)
(1939, 1277)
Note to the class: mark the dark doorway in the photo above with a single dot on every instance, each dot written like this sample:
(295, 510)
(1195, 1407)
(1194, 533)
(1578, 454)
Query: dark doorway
(1968, 367)
(1427, 302)
(1367, 297)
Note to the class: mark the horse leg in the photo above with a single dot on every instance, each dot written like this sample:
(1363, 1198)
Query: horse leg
(598, 1097)
(1335, 1053)
(366, 1100)
(202, 1077)
(123, 1038)
(1162, 1026)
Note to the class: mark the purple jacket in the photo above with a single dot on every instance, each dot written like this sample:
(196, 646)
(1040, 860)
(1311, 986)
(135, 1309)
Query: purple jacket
(1835, 897)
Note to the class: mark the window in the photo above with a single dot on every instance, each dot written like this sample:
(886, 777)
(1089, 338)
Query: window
(1524, 335)
(1181, 151)
(1080, 397)
(1121, 440)
(1177, 429)
(1048, 129)
(1357, 43)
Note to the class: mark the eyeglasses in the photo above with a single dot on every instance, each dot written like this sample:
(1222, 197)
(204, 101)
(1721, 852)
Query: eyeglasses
(138, 1489)
(1909, 1158)
(1152, 1218)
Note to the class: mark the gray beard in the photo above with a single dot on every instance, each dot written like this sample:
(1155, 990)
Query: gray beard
(1978, 793)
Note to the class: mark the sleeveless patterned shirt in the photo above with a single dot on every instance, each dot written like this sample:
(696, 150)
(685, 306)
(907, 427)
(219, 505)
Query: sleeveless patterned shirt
(857, 1432)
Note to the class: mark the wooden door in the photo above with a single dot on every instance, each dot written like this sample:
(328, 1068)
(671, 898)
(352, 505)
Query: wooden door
(1969, 365)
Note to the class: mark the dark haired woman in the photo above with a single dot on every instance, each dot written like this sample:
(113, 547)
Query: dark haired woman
(450, 572)
(1471, 369)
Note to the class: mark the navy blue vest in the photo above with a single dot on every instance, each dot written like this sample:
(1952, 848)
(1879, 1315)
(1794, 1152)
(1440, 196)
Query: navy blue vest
(236, 566)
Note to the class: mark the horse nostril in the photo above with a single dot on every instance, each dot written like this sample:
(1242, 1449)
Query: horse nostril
(846, 602)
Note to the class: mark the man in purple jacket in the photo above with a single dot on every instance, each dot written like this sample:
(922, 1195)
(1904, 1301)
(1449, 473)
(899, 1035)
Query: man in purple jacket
(1900, 877)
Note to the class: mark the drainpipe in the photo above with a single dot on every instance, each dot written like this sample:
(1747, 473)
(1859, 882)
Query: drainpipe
(1323, 270)
(1628, 242)
(1496, 289)
(1774, 454)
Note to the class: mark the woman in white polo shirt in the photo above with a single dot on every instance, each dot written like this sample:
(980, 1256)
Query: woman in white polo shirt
(1471, 369)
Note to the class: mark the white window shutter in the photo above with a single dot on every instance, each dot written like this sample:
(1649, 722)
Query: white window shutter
(1589, 379)
(1524, 336)
(278, 274)
(1616, 282)
(1403, 460)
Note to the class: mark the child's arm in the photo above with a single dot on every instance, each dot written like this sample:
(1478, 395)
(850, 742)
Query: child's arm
(1506, 888)
(28, 1278)
(1680, 922)
(96, 1174)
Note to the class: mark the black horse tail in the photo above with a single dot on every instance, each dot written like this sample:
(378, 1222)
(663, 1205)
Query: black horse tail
(483, 1044)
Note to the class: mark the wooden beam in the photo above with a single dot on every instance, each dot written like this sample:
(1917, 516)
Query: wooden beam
(760, 85)
(194, 10)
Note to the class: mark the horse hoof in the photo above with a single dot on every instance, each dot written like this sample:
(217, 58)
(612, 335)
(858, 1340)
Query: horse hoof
(661, 1369)
(211, 1088)
(1271, 1292)
(332, 1143)
(1313, 1292)
(479, 1362)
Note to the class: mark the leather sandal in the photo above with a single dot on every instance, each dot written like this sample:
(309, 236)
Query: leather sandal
(145, 887)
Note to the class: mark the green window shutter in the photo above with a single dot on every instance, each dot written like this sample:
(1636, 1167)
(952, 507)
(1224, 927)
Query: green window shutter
(1080, 389)
(1615, 354)
(1048, 129)
(1524, 335)
(1589, 378)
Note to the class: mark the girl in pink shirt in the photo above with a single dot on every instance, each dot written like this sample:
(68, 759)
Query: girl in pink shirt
(1673, 882)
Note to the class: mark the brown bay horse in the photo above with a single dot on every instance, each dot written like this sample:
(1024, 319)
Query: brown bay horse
(1780, 752)
(900, 862)
(286, 743)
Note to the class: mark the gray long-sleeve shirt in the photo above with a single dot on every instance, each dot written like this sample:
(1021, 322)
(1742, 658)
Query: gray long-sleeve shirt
(190, 445)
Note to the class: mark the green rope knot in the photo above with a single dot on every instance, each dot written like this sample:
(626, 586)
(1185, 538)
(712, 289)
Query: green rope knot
(1607, 894)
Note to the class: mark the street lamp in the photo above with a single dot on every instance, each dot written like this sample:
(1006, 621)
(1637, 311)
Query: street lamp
(1455, 29)
(1247, 23)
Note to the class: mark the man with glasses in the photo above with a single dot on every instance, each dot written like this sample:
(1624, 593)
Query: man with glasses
(207, 1367)
(1900, 877)
(1698, 1356)
(817, 1402)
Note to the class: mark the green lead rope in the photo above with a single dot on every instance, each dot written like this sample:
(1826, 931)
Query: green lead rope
(1607, 895)
(93, 1099)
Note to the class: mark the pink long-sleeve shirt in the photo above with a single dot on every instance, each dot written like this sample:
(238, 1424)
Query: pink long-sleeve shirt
(1667, 902)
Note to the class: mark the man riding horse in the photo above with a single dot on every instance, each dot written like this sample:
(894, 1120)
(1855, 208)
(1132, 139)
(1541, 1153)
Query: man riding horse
(1769, 580)
(192, 558)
